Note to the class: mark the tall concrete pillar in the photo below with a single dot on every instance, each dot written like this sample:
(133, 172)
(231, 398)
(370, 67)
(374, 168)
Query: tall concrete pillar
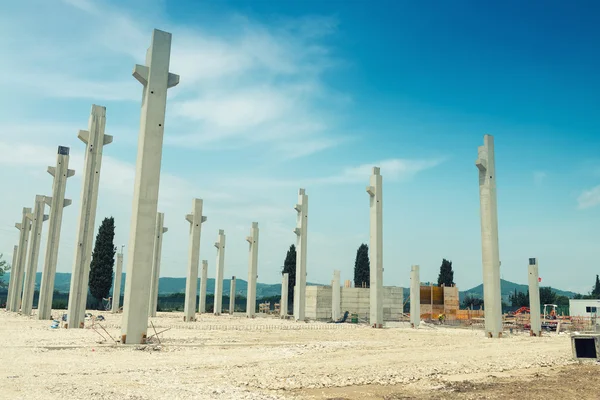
(191, 284)
(157, 254)
(57, 202)
(116, 297)
(18, 270)
(11, 282)
(203, 279)
(156, 79)
(283, 304)
(489, 238)
(336, 296)
(301, 236)
(415, 297)
(220, 245)
(37, 219)
(252, 270)
(376, 249)
(95, 140)
(232, 296)
(534, 298)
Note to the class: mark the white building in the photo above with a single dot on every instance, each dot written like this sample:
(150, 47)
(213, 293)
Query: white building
(584, 307)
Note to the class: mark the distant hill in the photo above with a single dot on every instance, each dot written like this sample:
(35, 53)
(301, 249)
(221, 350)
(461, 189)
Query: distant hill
(177, 285)
(62, 283)
(507, 288)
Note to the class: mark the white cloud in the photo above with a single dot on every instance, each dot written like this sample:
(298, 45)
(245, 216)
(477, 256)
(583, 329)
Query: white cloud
(116, 177)
(589, 198)
(392, 169)
(252, 85)
(38, 130)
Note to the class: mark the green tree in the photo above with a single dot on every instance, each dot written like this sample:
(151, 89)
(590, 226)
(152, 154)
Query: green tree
(4, 267)
(472, 302)
(519, 299)
(289, 267)
(362, 267)
(596, 290)
(446, 276)
(547, 296)
(562, 301)
(103, 260)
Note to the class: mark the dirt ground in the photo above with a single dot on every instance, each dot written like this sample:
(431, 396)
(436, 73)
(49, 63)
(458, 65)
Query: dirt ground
(232, 357)
(567, 382)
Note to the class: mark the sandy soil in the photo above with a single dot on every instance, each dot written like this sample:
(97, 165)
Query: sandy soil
(231, 357)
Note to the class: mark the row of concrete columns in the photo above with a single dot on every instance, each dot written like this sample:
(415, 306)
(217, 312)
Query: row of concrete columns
(145, 244)
(18, 269)
(141, 287)
(145, 234)
(26, 256)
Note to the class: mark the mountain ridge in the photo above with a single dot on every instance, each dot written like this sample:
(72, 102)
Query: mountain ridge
(170, 285)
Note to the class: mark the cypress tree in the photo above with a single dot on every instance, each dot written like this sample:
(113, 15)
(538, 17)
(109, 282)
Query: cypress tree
(289, 267)
(596, 290)
(362, 267)
(103, 260)
(446, 276)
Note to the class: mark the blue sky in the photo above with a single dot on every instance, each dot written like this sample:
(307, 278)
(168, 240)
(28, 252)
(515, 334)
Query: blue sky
(279, 95)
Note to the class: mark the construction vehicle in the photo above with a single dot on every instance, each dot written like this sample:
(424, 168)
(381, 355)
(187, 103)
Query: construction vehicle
(550, 321)
(522, 310)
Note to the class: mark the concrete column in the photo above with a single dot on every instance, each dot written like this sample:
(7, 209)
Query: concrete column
(283, 304)
(301, 236)
(376, 249)
(18, 270)
(37, 219)
(232, 295)
(203, 279)
(156, 256)
(220, 245)
(534, 298)
(415, 297)
(57, 202)
(116, 300)
(252, 270)
(191, 284)
(489, 238)
(156, 79)
(11, 284)
(336, 296)
(95, 140)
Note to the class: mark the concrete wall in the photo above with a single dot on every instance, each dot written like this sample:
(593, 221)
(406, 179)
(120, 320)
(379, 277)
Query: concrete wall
(353, 300)
(318, 302)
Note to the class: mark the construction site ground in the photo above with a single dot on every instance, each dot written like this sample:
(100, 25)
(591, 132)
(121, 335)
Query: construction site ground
(232, 357)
